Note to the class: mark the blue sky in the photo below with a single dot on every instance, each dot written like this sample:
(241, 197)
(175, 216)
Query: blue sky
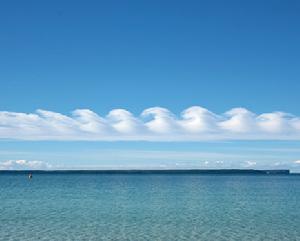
(66, 55)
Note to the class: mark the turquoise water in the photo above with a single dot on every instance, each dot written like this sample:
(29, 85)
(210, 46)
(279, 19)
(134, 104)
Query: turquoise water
(149, 207)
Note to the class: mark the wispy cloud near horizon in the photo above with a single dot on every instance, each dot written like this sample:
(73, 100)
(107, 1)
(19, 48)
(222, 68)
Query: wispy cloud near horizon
(176, 163)
(24, 165)
(154, 124)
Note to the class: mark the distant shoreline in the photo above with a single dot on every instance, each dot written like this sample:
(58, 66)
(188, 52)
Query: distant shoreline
(158, 171)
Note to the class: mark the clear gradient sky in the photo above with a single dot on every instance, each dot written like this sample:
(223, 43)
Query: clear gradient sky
(103, 55)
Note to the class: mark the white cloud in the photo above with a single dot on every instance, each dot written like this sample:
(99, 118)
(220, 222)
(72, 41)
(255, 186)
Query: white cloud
(154, 124)
(197, 119)
(24, 165)
(164, 121)
(239, 120)
(297, 162)
(123, 121)
(250, 163)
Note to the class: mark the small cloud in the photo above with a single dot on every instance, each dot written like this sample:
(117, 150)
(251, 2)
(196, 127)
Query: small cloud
(250, 163)
(297, 162)
(24, 165)
(219, 162)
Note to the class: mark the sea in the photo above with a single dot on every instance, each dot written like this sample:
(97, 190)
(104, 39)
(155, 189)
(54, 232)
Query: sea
(97, 206)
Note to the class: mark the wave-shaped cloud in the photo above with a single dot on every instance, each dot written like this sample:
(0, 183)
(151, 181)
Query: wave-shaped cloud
(154, 124)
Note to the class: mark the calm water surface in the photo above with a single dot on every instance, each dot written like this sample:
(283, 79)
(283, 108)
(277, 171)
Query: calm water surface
(149, 207)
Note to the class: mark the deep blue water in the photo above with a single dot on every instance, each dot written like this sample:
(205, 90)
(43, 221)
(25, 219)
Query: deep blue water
(149, 207)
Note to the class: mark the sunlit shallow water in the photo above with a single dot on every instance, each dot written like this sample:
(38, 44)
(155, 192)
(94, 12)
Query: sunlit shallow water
(149, 207)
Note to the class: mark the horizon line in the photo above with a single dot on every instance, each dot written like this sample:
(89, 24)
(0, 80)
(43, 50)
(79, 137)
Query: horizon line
(159, 171)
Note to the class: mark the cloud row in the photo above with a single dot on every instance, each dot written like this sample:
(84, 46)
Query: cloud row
(154, 124)
(24, 165)
(42, 165)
